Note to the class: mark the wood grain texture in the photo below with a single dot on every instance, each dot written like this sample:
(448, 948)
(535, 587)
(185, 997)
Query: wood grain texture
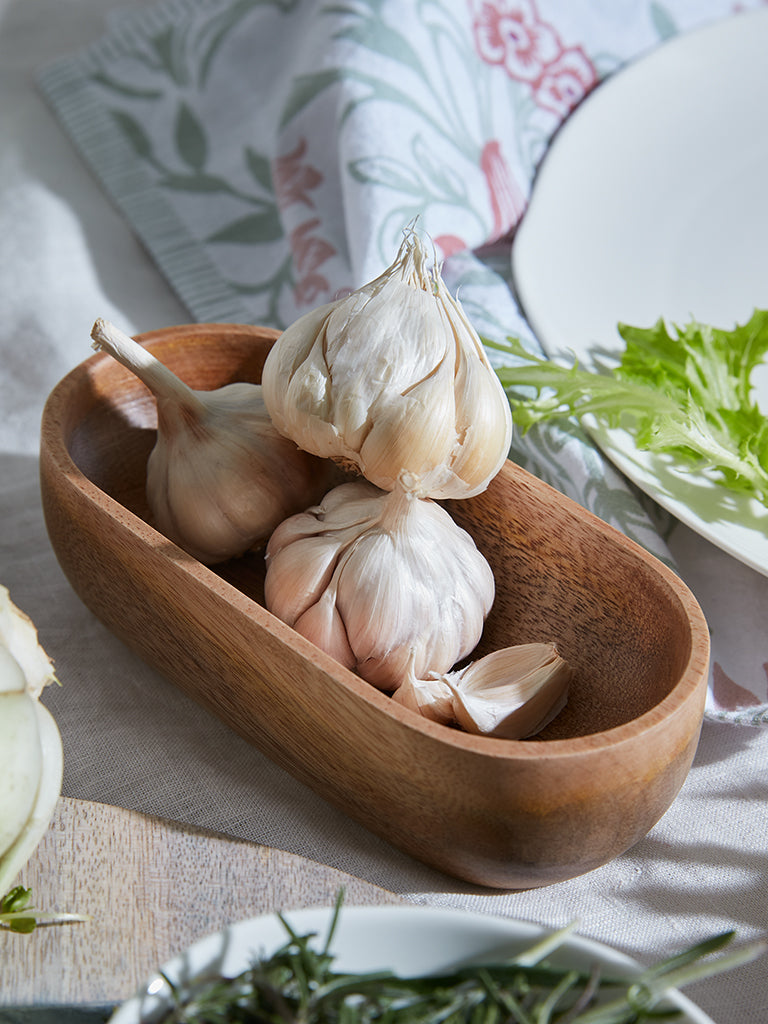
(501, 813)
(151, 888)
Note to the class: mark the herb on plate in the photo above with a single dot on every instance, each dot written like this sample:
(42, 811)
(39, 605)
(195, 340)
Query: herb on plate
(684, 392)
(298, 984)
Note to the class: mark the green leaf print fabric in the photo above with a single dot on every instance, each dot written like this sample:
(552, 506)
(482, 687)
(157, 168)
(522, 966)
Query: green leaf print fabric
(270, 153)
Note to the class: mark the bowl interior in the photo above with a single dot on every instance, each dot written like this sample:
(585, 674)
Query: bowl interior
(619, 617)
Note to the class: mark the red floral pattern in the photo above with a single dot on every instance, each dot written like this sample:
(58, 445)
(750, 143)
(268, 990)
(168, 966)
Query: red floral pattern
(449, 244)
(309, 252)
(565, 82)
(507, 201)
(728, 695)
(293, 180)
(510, 33)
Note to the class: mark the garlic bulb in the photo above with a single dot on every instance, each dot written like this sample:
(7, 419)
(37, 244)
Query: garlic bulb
(32, 757)
(220, 477)
(512, 693)
(393, 379)
(380, 579)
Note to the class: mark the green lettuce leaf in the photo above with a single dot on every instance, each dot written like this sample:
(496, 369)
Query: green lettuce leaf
(684, 392)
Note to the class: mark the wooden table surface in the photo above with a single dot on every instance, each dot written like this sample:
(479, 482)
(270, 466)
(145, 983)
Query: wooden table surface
(150, 888)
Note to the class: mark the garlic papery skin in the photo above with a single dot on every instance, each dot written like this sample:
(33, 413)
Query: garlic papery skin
(380, 580)
(19, 635)
(31, 765)
(512, 693)
(220, 476)
(432, 698)
(391, 379)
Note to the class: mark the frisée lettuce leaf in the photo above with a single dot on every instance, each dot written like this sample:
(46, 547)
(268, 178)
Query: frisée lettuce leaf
(683, 391)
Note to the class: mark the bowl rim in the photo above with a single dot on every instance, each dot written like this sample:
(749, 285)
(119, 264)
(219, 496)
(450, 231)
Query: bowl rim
(387, 920)
(690, 686)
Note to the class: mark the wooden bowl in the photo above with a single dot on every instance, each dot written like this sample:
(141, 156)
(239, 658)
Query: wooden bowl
(500, 813)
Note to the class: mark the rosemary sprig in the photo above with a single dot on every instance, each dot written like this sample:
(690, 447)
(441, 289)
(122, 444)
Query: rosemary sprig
(298, 985)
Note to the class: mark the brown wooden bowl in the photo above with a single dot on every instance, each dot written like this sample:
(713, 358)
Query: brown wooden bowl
(501, 813)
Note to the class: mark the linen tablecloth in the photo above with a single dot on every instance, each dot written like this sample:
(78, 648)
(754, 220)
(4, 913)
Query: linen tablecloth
(246, 160)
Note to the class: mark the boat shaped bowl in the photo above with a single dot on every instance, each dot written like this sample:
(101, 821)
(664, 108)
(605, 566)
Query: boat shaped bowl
(499, 813)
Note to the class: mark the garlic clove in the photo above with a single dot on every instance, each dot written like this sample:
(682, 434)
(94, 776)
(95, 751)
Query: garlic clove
(279, 374)
(301, 572)
(413, 584)
(474, 462)
(302, 553)
(512, 693)
(220, 477)
(322, 624)
(422, 420)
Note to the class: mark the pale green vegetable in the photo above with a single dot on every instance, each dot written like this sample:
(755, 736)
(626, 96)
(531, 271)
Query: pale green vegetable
(41, 761)
(32, 756)
(22, 750)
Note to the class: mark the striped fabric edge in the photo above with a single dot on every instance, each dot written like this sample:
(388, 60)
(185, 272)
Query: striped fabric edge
(180, 257)
(755, 716)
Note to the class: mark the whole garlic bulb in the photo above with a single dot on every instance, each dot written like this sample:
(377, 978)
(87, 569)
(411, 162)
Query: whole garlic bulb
(512, 693)
(380, 580)
(220, 477)
(393, 379)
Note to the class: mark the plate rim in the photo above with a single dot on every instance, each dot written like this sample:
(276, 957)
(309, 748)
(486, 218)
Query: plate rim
(642, 468)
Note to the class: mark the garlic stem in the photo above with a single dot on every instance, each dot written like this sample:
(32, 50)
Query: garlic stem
(150, 371)
(394, 507)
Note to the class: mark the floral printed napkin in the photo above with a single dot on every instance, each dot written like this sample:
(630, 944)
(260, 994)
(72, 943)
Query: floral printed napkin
(269, 154)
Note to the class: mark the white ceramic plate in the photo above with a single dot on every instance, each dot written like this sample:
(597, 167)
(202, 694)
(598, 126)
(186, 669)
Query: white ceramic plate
(408, 940)
(653, 202)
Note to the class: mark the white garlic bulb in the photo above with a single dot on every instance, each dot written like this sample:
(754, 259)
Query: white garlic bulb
(220, 477)
(393, 379)
(380, 580)
(512, 693)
